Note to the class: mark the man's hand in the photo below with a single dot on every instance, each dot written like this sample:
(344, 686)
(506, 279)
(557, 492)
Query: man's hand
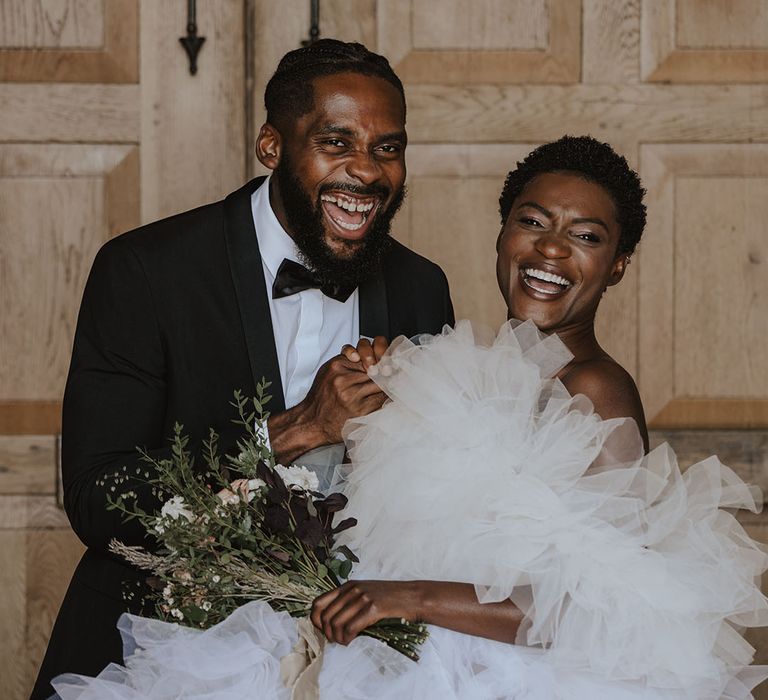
(341, 390)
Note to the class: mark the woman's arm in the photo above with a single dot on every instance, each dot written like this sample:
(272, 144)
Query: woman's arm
(343, 613)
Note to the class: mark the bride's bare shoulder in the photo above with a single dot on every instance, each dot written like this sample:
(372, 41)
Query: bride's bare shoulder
(611, 389)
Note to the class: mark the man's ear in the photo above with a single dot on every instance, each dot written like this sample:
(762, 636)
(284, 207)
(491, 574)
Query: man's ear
(269, 146)
(618, 269)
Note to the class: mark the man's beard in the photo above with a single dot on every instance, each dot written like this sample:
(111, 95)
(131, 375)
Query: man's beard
(305, 219)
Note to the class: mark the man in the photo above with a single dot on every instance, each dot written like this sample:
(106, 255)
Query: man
(178, 314)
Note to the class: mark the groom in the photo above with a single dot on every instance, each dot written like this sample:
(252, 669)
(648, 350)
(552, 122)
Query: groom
(270, 282)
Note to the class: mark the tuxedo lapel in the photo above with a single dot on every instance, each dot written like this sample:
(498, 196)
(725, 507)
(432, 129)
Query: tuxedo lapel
(374, 310)
(251, 290)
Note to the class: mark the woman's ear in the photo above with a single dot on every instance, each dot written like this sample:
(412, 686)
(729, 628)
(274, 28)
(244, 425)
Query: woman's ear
(269, 146)
(618, 269)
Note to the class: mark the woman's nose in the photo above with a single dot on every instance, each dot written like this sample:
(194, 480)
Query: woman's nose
(553, 245)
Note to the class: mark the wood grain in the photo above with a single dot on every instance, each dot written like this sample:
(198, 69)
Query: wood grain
(57, 112)
(54, 217)
(559, 63)
(662, 60)
(28, 24)
(616, 113)
(721, 24)
(30, 417)
(192, 127)
(115, 61)
(611, 43)
(27, 464)
(694, 334)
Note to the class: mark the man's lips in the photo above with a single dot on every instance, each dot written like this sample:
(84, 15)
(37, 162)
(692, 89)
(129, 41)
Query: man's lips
(349, 214)
(545, 284)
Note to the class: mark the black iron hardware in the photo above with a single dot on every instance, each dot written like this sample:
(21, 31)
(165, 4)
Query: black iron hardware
(314, 29)
(192, 42)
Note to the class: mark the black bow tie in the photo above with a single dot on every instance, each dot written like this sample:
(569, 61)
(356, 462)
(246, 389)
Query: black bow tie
(293, 278)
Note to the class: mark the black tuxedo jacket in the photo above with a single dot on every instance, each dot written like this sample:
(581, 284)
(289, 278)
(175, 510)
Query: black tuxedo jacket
(175, 317)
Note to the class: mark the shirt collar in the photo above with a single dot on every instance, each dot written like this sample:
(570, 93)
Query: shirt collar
(275, 244)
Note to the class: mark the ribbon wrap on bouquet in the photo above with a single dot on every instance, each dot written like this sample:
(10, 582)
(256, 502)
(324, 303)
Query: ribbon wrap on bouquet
(300, 670)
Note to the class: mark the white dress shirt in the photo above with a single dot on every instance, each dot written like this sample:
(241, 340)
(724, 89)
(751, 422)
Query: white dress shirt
(309, 327)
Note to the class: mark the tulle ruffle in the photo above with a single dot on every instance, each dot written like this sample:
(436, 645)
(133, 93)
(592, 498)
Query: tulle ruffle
(483, 469)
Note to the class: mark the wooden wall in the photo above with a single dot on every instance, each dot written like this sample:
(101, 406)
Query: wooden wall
(102, 128)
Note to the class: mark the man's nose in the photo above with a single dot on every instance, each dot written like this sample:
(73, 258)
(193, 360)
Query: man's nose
(363, 166)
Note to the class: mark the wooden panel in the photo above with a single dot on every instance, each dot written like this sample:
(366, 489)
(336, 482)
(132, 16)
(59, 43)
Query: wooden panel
(611, 41)
(663, 60)
(13, 580)
(37, 26)
(20, 512)
(721, 281)
(744, 451)
(48, 251)
(193, 127)
(721, 24)
(51, 558)
(482, 25)
(28, 24)
(30, 417)
(619, 114)
(28, 464)
(400, 30)
(696, 349)
(35, 569)
(86, 113)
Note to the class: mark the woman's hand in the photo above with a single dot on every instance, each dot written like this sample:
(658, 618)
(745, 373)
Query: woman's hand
(341, 614)
(366, 353)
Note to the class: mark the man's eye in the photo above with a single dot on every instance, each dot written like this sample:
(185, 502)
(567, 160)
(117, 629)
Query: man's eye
(530, 221)
(334, 143)
(390, 148)
(588, 236)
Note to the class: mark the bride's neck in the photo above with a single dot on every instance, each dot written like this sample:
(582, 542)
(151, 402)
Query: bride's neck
(581, 341)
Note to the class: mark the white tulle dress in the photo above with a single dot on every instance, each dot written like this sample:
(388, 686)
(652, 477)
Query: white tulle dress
(483, 469)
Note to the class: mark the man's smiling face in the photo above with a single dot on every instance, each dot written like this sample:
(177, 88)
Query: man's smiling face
(339, 173)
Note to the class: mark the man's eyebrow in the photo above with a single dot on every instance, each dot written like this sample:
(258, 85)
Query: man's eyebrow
(394, 136)
(581, 220)
(335, 129)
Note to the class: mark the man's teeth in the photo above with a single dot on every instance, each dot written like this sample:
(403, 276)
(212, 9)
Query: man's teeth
(349, 205)
(349, 227)
(546, 276)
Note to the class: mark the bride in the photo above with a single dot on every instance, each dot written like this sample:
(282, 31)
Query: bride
(504, 497)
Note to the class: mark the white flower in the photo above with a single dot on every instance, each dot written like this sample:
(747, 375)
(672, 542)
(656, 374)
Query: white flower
(175, 507)
(298, 477)
(177, 614)
(167, 592)
(206, 606)
(216, 578)
(158, 527)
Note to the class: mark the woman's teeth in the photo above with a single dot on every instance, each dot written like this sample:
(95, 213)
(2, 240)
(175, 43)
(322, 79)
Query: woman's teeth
(548, 278)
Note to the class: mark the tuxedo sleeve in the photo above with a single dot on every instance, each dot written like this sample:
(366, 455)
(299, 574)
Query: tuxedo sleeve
(114, 400)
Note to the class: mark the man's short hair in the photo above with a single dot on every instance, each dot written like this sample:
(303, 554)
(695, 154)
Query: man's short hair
(289, 93)
(594, 161)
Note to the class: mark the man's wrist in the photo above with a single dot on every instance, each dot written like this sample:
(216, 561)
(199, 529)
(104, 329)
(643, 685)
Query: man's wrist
(293, 432)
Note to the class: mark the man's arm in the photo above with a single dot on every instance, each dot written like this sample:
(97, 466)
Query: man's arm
(341, 390)
(114, 399)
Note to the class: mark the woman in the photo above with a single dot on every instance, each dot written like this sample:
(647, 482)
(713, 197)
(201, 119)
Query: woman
(511, 471)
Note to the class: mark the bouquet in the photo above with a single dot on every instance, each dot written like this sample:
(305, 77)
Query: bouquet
(244, 528)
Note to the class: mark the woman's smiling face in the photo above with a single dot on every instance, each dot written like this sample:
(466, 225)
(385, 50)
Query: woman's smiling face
(557, 252)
